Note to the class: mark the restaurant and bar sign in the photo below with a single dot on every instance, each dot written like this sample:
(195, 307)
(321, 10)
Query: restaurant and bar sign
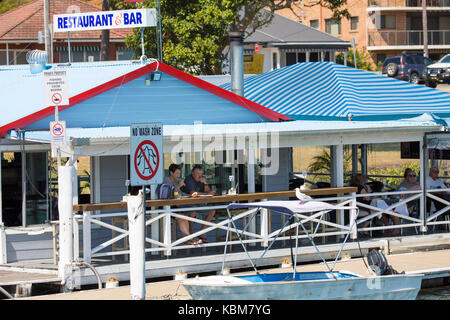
(102, 20)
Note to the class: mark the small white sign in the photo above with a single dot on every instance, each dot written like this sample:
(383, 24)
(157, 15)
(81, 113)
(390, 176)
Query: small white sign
(103, 20)
(55, 86)
(146, 154)
(57, 134)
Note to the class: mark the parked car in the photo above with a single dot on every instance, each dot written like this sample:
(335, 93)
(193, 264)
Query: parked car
(438, 72)
(408, 67)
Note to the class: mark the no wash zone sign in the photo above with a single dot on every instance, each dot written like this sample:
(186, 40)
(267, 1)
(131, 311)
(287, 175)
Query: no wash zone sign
(146, 153)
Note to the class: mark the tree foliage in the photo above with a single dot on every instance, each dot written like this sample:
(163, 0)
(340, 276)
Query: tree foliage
(363, 59)
(195, 33)
(6, 5)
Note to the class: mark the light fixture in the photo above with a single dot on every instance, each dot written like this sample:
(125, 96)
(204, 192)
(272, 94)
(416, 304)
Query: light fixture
(155, 76)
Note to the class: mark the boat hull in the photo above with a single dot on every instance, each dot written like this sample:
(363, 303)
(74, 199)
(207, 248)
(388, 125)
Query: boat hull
(394, 287)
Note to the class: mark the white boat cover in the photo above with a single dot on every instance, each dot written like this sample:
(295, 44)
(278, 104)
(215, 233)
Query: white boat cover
(291, 206)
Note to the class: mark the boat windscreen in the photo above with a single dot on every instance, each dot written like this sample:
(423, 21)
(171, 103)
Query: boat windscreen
(289, 207)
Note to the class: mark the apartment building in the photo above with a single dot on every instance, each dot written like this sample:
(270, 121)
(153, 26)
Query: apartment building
(383, 27)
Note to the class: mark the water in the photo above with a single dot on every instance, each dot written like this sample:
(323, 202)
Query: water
(434, 294)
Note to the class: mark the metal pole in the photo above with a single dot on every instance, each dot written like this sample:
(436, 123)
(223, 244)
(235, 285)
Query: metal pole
(24, 182)
(425, 28)
(142, 41)
(160, 51)
(68, 46)
(354, 53)
(58, 149)
(237, 62)
(1, 191)
(46, 31)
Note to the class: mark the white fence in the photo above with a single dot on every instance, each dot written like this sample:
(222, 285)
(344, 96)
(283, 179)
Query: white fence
(161, 224)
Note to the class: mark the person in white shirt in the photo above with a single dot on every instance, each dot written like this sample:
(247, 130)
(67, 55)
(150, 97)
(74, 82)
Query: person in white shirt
(433, 182)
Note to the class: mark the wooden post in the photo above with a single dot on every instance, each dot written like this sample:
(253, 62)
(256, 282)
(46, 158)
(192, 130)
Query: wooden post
(167, 230)
(87, 236)
(353, 217)
(265, 226)
(3, 256)
(251, 185)
(155, 225)
(354, 159)
(423, 173)
(136, 226)
(65, 205)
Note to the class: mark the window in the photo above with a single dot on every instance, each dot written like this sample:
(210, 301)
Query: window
(37, 196)
(2, 58)
(274, 60)
(125, 54)
(354, 23)
(14, 56)
(409, 60)
(381, 57)
(333, 26)
(314, 24)
(418, 59)
(291, 58)
(388, 22)
(80, 55)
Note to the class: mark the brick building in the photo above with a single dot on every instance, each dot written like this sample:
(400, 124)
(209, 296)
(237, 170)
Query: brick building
(20, 28)
(383, 27)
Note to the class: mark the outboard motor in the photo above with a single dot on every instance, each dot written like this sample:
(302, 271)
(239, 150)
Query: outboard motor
(379, 264)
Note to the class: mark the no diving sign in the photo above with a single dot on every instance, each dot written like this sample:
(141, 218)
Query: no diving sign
(146, 153)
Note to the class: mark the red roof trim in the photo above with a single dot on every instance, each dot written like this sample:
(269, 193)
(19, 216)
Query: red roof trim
(46, 112)
(225, 94)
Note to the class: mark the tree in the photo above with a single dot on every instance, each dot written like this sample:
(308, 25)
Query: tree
(322, 163)
(195, 33)
(363, 59)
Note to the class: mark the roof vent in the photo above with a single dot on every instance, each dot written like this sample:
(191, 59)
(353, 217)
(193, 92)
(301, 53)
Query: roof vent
(37, 60)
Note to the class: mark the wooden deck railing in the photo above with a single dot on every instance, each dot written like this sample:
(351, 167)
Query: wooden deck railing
(160, 212)
(214, 199)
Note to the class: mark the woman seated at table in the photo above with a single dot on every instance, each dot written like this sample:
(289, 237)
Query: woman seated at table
(379, 202)
(409, 184)
(359, 181)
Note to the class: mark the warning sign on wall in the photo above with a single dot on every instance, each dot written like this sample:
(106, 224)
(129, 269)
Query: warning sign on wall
(55, 86)
(146, 154)
(57, 134)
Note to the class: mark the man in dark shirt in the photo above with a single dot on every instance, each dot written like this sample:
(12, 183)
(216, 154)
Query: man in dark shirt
(195, 185)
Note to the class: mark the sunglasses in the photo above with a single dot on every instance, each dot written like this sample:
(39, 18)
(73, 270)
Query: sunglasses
(411, 175)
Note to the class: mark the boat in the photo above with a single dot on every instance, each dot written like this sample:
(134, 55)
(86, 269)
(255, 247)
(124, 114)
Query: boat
(319, 285)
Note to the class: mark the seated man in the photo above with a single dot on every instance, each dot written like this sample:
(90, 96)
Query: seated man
(195, 185)
(433, 182)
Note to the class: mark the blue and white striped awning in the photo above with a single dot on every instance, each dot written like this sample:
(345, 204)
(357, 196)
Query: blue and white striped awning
(330, 91)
